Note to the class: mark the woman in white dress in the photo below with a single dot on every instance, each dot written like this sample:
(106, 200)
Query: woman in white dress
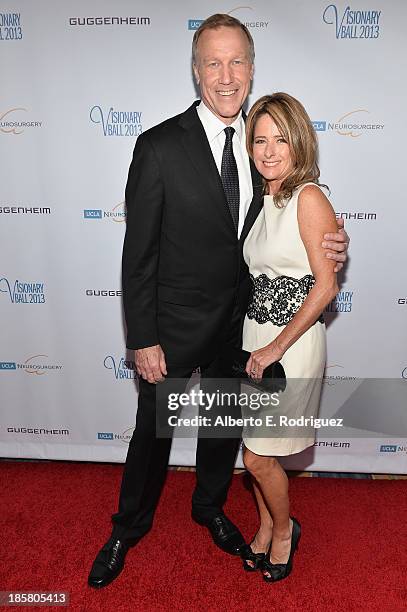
(293, 281)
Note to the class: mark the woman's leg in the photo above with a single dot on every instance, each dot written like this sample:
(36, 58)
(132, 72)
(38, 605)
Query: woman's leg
(263, 537)
(272, 484)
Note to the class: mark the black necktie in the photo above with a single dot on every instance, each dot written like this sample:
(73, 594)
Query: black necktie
(230, 177)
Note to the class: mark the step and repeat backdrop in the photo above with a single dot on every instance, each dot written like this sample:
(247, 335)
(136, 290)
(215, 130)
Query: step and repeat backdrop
(80, 80)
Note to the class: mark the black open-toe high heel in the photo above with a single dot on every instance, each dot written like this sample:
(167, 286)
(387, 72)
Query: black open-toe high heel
(278, 571)
(247, 555)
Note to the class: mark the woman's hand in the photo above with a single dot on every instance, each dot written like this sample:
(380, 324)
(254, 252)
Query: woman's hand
(260, 359)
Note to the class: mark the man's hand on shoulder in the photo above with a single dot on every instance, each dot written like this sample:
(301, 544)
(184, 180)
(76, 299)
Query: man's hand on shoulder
(150, 363)
(337, 245)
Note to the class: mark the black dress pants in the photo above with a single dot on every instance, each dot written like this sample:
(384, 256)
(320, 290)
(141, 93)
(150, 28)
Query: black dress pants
(147, 461)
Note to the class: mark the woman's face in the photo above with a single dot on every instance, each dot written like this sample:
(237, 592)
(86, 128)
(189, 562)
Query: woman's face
(271, 153)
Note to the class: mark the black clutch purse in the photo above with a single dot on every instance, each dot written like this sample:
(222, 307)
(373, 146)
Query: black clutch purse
(233, 363)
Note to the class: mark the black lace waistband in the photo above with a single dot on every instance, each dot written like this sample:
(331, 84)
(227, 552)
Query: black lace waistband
(276, 300)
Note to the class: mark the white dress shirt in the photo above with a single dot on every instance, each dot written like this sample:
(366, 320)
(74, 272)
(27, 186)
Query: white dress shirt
(214, 130)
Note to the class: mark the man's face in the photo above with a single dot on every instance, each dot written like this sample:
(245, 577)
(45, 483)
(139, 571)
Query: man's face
(223, 71)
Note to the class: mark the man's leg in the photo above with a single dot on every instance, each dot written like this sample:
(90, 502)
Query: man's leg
(143, 478)
(144, 471)
(215, 460)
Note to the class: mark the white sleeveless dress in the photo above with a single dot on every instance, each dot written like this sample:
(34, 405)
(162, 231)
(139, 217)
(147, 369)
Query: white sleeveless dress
(282, 277)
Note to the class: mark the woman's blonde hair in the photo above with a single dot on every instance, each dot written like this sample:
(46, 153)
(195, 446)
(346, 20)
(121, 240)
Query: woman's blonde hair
(296, 128)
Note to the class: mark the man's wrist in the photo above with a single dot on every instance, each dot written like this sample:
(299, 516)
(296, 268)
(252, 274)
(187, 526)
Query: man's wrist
(135, 343)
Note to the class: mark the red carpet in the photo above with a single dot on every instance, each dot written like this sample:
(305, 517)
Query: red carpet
(55, 516)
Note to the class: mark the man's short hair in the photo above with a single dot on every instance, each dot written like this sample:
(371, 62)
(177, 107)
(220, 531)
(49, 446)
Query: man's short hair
(217, 21)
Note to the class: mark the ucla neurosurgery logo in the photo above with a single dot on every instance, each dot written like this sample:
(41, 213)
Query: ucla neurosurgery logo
(252, 20)
(117, 123)
(117, 214)
(319, 126)
(21, 292)
(245, 14)
(388, 448)
(352, 124)
(121, 368)
(14, 121)
(105, 435)
(193, 24)
(335, 373)
(8, 365)
(393, 448)
(349, 23)
(124, 437)
(37, 365)
(10, 26)
(92, 213)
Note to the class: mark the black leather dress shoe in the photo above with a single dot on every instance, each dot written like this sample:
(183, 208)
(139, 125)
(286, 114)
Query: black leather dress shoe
(224, 533)
(108, 564)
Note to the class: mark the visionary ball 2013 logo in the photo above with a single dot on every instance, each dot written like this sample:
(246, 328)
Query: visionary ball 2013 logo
(10, 26)
(342, 302)
(121, 368)
(21, 292)
(117, 123)
(350, 23)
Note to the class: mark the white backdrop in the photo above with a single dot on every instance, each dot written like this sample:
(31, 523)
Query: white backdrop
(79, 81)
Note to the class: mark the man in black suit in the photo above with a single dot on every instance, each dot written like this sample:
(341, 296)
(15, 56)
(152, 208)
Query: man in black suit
(192, 196)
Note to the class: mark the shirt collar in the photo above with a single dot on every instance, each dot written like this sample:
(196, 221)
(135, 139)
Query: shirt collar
(214, 126)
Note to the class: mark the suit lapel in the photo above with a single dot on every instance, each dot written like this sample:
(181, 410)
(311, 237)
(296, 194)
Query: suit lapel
(197, 147)
(256, 203)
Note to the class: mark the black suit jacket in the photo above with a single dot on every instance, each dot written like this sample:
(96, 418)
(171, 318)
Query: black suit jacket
(183, 271)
